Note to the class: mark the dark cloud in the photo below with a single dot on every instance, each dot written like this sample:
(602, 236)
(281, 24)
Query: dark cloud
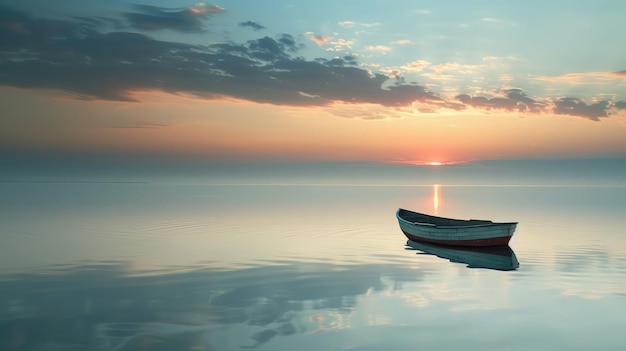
(74, 56)
(514, 100)
(577, 107)
(252, 24)
(268, 49)
(190, 19)
(101, 22)
(20, 32)
(349, 59)
(524, 103)
(78, 58)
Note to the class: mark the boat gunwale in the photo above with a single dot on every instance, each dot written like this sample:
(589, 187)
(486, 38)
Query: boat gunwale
(431, 225)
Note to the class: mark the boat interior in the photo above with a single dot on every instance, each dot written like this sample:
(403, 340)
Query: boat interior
(438, 221)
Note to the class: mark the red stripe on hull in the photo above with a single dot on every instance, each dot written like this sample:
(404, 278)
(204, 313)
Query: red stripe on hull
(499, 241)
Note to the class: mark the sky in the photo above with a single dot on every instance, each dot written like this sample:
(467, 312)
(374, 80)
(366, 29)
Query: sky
(386, 81)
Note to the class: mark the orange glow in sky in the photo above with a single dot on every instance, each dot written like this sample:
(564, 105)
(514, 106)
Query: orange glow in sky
(166, 123)
(197, 81)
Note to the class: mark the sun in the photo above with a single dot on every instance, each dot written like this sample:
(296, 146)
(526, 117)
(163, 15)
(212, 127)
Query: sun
(430, 163)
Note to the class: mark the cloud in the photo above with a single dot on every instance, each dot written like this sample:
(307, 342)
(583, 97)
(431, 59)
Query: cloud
(512, 99)
(351, 24)
(516, 100)
(79, 56)
(495, 59)
(188, 19)
(111, 66)
(402, 42)
(454, 71)
(320, 40)
(252, 24)
(495, 21)
(362, 111)
(585, 78)
(397, 71)
(340, 45)
(456, 67)
(506, 78)
(378, 48)
(347, 24)
(269, 49)
(577, 107)
(416, 66)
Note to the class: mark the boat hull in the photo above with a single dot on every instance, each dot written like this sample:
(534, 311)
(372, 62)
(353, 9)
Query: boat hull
(498, 241)
(444, 231)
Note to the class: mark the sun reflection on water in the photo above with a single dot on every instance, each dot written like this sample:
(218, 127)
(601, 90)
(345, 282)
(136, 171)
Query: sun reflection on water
(436, 188)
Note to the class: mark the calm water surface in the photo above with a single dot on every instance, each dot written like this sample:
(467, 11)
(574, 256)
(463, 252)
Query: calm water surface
(186, 265)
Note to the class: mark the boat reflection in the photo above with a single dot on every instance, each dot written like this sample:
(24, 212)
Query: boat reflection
(500, 258)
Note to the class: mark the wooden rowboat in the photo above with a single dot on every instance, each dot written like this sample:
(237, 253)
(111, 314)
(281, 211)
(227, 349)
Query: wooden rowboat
(456, 232)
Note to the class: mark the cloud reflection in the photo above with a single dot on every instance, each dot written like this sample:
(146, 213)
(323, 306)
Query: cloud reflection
(104, 304)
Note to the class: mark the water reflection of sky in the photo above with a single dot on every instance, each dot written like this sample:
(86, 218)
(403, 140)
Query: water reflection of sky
(280, 306)
(175, 266)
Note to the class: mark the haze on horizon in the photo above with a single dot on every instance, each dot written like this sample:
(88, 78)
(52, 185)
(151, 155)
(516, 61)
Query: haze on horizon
(394, 81)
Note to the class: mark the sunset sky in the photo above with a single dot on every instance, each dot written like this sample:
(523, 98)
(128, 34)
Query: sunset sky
(389, 81)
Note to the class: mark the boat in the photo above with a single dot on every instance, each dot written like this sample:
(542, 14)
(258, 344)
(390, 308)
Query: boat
(455, 232)
(501, 258)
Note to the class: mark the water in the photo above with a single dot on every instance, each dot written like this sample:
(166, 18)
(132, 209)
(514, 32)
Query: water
(311, 263)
